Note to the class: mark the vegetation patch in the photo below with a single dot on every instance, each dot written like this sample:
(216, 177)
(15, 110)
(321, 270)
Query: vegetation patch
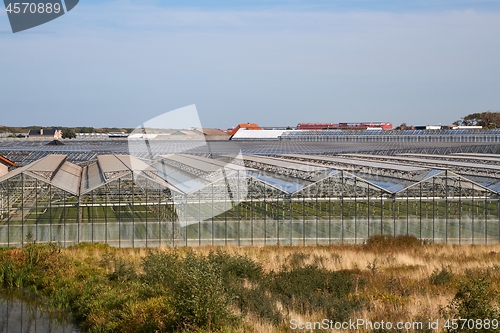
(211, 289)
(390, 243)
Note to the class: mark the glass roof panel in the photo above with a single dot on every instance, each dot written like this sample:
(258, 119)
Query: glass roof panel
(183, 181)
(286, 184)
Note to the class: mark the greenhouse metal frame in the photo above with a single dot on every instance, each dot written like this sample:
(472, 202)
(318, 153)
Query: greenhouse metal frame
(286, 199)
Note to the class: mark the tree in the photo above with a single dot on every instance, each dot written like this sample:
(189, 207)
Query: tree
(87, 130)
(486, 119)
(68, 133)
(401, 127)
(491, 119)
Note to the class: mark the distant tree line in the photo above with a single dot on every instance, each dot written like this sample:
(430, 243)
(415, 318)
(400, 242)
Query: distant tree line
(486, 119)
(68, 133)
(86, 130)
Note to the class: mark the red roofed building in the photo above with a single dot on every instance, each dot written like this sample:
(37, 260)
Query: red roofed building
(247, 126)
(5, 163)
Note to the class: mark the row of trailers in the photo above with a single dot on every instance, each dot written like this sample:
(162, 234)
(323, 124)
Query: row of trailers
(288, 199)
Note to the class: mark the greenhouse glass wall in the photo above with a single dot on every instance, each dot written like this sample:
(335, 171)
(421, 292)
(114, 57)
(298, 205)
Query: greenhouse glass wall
(289, 199)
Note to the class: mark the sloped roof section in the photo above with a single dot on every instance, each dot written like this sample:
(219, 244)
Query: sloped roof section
(285, 184)
(112, 167)
(110, 163)
(47, 167)
(92, 178)
(132, 163)
(177, 180)
(13, 173)
(77, 180)
(50, 163)
(54, 170)
(68, 177)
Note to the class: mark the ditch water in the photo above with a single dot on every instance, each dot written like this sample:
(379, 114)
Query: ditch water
(18, 316)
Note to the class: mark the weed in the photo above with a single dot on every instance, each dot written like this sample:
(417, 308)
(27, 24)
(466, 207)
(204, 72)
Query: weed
(397, 287)
(390, 259)
(297, 259)
(441, 277)
(319, 261)
(336, 257)
(372, 266)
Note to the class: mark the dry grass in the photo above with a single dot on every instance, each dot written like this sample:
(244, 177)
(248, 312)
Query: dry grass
(410, 267)
(395, 280)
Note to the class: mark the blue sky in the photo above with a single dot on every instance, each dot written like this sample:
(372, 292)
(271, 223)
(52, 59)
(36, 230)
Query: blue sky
(276, 63)
(339, 5)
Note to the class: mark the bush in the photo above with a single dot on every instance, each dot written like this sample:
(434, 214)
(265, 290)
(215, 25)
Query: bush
(243, 279)
(196, 288)
(236, 266)
(258, 302)
(309, 289)
(388, 242)
(441, 277)
(475, 299)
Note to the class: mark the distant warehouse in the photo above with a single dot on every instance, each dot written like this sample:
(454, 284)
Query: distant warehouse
(345, 126)
(54, 133)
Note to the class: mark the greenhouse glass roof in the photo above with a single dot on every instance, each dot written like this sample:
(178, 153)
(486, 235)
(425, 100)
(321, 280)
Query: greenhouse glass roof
(288, 173)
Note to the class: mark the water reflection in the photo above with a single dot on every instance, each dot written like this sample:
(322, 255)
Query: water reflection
(19, 317)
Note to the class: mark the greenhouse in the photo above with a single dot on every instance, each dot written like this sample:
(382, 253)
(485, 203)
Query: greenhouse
(287, 199)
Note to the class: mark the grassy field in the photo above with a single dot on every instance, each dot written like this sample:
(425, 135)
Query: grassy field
(262, 289)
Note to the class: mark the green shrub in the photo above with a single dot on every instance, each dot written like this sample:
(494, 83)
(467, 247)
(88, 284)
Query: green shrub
(243, 279)
(308, 289)
(198, 294)
(388, 242)
(258, 302)
(235, 266)
(196, 288)
(475, 299)
(160, 267)
(441, 277)
(120, 308)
